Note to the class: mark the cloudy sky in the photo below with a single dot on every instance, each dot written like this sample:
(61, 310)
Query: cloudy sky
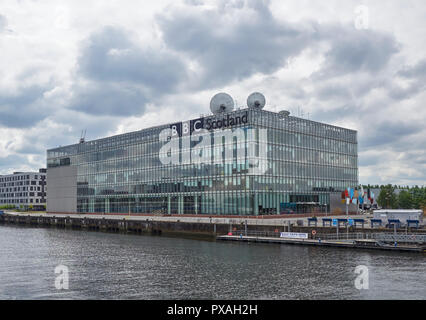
(112, 66)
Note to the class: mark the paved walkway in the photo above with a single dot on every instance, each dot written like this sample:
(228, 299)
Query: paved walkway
(260, 220)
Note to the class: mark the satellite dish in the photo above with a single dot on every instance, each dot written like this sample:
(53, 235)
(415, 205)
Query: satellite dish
(256, 100)
(284, 113)
(221, 103)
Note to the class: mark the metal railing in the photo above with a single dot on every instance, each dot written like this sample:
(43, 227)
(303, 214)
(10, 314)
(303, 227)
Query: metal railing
(344, 236)
(378, 237)
(332, 236)
(402, 238)
(250, 233)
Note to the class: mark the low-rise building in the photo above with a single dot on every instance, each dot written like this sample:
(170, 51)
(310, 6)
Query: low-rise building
(26, 190)
(399, 214)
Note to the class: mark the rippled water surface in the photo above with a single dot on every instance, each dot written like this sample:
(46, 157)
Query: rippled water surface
(117, 266)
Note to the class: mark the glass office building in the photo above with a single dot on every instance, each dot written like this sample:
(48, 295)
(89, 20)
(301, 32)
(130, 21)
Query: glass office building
(303, 163)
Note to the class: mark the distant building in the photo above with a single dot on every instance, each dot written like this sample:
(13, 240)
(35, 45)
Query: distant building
(24, 189)
(399, 214)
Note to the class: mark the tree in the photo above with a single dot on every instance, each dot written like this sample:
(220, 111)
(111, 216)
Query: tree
(387, 198)
(405, 200)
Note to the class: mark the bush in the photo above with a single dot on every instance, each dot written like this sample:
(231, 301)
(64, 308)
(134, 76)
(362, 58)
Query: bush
(8, 206)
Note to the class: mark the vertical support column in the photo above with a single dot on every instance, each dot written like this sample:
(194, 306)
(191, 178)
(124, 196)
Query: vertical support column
(278, 204)
(169, 204)
(255, 205)
(91, 205)
(196, 204)
(107, 207)
(180, 205)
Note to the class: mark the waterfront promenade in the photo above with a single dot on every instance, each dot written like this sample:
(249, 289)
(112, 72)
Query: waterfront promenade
(247, 229)
(283, 220)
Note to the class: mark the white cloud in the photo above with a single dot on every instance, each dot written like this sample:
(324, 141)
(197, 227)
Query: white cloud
(165, 60)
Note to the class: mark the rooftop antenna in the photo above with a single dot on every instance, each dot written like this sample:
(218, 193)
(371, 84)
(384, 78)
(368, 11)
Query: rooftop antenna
(83, 136)
(283, 114)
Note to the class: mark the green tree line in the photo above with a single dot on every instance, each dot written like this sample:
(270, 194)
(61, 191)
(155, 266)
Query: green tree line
(408, 197)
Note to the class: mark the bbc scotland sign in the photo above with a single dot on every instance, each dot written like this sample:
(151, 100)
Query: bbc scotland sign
(189, 127)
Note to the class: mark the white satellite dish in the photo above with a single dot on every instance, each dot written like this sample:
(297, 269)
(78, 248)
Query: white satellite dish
(256, 100)
(221, 103)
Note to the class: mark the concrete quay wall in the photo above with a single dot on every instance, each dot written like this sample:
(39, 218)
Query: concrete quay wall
(208, 228)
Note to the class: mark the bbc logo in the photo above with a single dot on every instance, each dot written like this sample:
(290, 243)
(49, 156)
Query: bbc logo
(186, 128)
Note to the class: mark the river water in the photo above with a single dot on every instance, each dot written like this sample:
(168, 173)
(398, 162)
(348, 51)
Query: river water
(117, 266)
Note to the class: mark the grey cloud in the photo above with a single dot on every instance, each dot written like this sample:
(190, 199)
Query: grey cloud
(388, 132)
(333, 91)
(233, 49)
(117, 76)
(368, 160)
(194, 2)
(416, 71)
(108, 99)
(342, 111)
(416, 75)
(70, 125)
(3, 23)
(12, 161)
(355, 51)
(239, 39)
(24, 108)
(397, 92)
(110, 55)
(30, 146)
(418, 157)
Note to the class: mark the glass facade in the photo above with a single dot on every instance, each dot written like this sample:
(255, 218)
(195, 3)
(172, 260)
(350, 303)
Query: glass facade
(304, 162)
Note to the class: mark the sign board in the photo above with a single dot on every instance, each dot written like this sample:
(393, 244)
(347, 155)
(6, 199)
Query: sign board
(181, 129)
(335, 222)
(351, 222)
(293, 235)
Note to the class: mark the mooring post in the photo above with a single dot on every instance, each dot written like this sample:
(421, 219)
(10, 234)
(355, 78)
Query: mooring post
(394, 229)
(347, 230)
(337, 229)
